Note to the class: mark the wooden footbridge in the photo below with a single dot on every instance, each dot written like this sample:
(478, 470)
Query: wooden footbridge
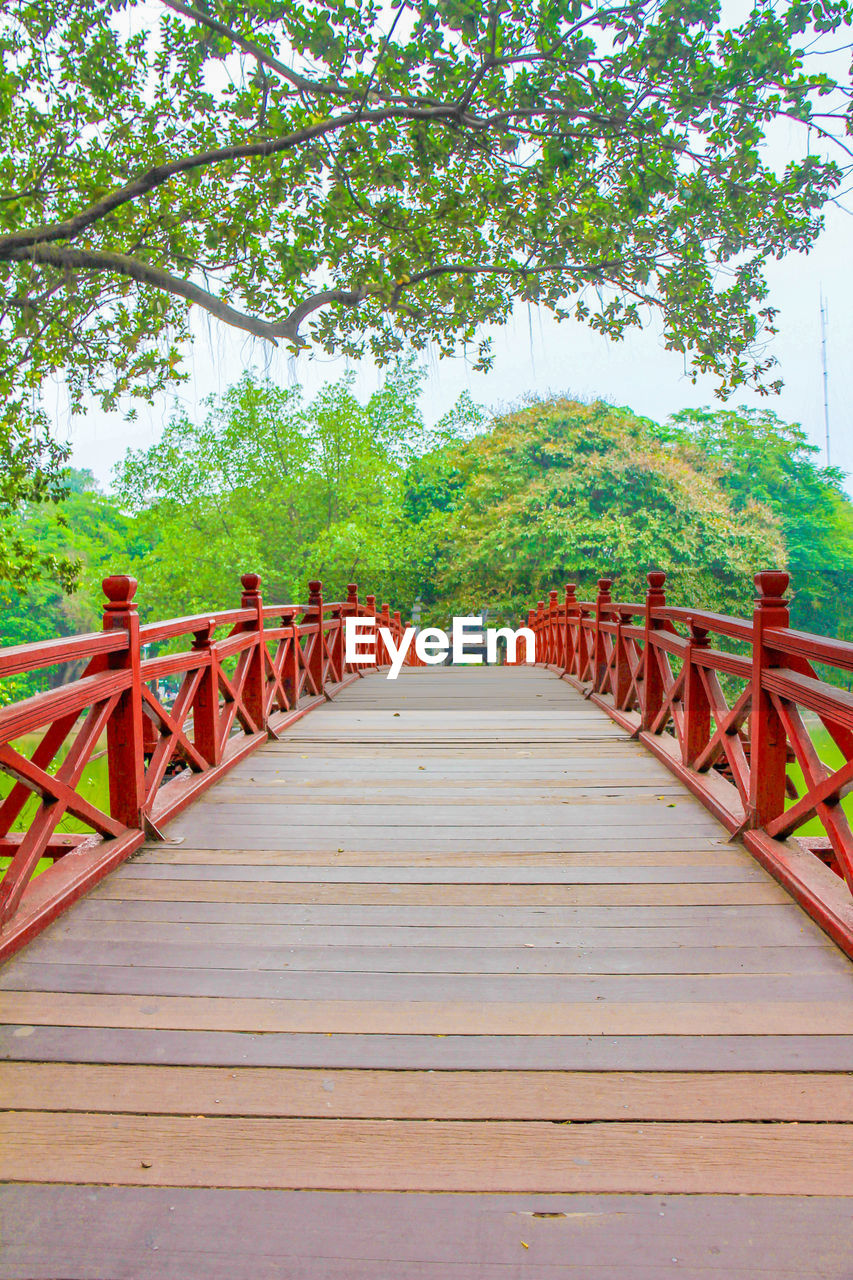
(482, 972)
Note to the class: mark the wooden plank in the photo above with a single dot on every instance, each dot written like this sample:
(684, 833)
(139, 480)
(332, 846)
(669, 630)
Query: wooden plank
(414, 844)
(448, 895)
(715, 854)
(502, 879)
(129, 979)
(280, 766)
(626, 915)
(460, 1095)
(255, 810)
(255, 822)
(261, 811)
(59, 951)
(427, 1053)
(410, 1155)
(406, 792)
(781, 931)
(293, 995)
(430, 1018)
(82, 1233)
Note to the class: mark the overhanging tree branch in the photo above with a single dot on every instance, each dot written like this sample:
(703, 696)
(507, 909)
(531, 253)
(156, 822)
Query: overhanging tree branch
(520, 151)
(97, 260)
(70, 259)
(256, 51)
(160, 174)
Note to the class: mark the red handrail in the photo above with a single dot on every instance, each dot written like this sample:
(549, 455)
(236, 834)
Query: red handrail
(286, 659)
(732, 746)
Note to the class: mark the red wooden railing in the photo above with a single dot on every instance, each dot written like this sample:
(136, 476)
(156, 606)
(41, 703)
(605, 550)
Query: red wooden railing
(286, 659)
(656, 672)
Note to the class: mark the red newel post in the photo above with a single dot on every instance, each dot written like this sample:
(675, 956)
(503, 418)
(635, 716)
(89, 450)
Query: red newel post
(290, 661)
(206, 701)
(351, 610)
(553, 628)
(652, 679)
(125, 738)
(622, 688)
(385, 621)
(768, 741)
(522, 654)
(696, 704)
(541, 633)
(569, 647)
(336, 642)
(316, 650)
(370, 612)
(599, 664)
(254, 685)
(582, 659)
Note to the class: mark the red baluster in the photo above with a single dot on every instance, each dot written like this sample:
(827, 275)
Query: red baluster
(316, 650)
(622, 672)
(569, 646)
(255, 682)
(553, 625)
(652, 686)
(695, 702)
(350, 610)
(206, 701)
(583, 662)
(768, 742)
(599, 666)
(125, 740)
(385, 621)
(336, 642)
(290, 661)
(521, 653)
(370, 612)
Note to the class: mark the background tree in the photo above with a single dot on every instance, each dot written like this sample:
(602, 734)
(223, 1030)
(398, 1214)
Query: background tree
(87, 536)
(754, 456)
(466, 514)
(560, 491)
(360, 177)
(32, 473)
(286, 489)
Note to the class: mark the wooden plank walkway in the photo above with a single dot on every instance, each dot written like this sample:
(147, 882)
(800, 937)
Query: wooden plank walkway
(455, 933)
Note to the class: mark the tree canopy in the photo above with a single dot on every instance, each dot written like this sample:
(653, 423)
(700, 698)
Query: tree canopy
(564, 492)
(360, 176)
(753, 456)
(289, 489)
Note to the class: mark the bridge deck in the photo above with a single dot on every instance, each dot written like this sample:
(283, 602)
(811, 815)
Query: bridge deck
(455, 933)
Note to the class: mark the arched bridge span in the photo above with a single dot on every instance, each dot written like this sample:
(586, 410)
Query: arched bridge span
(453, 976)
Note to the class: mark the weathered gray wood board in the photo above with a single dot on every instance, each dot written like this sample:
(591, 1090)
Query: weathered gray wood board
(456, 936)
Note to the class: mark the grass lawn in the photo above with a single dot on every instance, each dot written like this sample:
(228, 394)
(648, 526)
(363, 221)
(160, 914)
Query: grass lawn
(94, 785)
(833, 758)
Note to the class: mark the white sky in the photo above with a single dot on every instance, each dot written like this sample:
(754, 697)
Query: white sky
(533, 353)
